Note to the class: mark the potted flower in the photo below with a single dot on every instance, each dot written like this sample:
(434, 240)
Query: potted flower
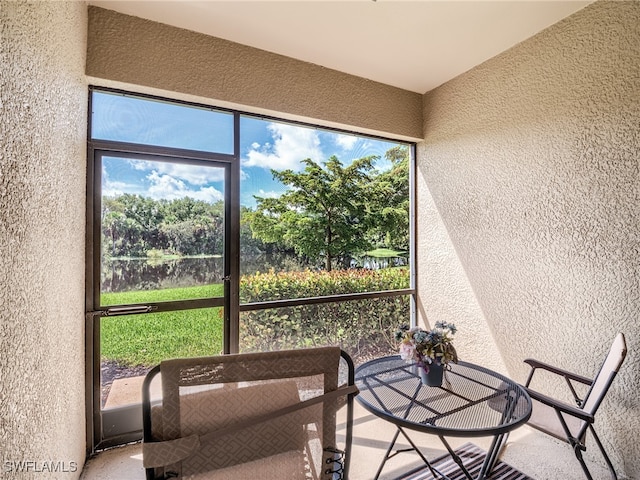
(432, 349)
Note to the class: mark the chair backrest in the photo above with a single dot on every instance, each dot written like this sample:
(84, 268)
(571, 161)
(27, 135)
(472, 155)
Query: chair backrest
(262, 415)
(607, 373)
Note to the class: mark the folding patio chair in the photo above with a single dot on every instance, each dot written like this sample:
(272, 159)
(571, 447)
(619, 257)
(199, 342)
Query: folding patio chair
(256, 415)
(568, 422)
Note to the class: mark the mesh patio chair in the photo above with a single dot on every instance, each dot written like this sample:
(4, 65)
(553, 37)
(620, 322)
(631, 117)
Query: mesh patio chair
(256, 415)
(570, 423)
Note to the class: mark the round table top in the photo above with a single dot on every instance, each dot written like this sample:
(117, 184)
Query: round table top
(473, 401)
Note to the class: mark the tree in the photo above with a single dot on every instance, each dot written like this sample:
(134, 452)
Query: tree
(323, 215)
(249, 244)
(125, 226)
(194, 227)
(121, 236)
(133, 225)
(390, 200)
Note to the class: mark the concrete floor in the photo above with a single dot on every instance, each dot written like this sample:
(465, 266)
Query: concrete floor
(531, 452)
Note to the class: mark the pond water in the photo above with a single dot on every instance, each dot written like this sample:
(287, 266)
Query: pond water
(123, 275)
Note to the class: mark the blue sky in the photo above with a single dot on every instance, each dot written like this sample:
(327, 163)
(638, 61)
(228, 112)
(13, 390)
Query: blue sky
(264, 145)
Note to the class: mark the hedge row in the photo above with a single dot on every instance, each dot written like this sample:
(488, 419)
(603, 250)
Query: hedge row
(361, 327)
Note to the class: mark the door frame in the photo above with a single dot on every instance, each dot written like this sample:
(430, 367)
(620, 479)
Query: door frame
(98, 435)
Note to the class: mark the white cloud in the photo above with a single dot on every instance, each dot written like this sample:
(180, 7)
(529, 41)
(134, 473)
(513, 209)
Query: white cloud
(170, 188)
(291, 144)
(193, 174)
(141, 164)
(115, 188)
(270, 194)
(207, 194)
(165, 186)
(346, 141)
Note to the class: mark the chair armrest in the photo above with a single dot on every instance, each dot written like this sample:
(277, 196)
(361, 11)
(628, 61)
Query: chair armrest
(560, 406)
(535, 364)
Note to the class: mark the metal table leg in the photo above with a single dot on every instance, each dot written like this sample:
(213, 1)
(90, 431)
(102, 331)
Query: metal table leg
(414, 447)
(456, 458)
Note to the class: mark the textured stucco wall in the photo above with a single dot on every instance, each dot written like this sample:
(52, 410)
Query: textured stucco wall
(141, 52)
(529, 189)
(43, 98)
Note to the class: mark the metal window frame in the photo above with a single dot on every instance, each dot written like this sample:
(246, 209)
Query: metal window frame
(231, 299)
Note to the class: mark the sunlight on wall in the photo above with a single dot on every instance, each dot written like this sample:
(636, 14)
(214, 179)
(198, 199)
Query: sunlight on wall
(531, 160)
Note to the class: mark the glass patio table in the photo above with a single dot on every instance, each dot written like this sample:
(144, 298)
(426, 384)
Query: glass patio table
(473, 401)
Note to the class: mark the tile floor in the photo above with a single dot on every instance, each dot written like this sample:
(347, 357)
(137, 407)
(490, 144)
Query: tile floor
(536, 455)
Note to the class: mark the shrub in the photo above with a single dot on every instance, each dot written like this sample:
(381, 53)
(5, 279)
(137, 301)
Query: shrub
(154, 253)
(362, 327)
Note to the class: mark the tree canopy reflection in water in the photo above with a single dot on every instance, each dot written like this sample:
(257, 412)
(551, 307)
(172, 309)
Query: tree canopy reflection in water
(126, 275)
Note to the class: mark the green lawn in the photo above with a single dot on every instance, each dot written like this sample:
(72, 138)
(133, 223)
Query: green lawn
(385, 253)
(164, 295)
(147, 339)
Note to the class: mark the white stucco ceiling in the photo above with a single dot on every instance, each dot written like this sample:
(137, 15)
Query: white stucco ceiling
(415, 45)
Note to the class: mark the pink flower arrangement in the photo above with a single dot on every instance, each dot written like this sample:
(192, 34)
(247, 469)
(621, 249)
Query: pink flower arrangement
(428, 346)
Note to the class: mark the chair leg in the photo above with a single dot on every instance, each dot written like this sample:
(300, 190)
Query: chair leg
(604, 454)
(578, 448)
